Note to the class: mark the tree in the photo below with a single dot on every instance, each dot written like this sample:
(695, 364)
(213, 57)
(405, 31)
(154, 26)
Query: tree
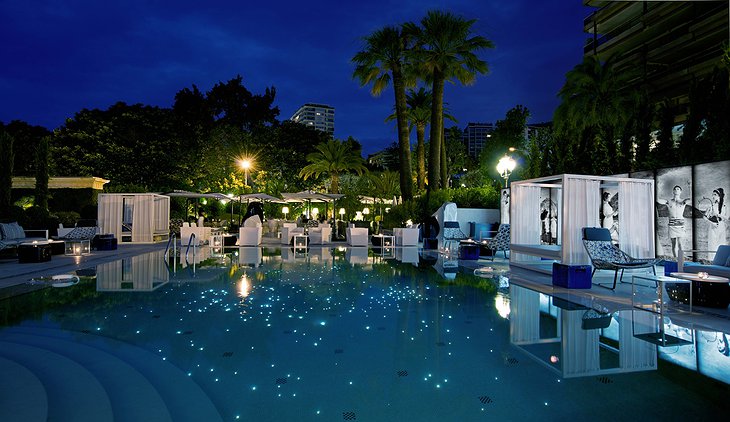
(233, 104)
(28, 136)
(333, 158)
(6, 172)
(446, 50)
(509, 134)
(596, 105)
(41, 173)
(381, 61)
(455, 156)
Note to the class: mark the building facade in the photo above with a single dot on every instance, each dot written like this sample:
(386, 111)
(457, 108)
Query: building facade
(668, 44)
(475, 137)
(318, 116)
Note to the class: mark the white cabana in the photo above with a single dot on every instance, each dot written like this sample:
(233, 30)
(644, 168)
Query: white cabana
(135, 217)
(579, 200)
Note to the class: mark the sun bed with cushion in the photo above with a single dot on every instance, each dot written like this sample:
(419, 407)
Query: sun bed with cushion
(720, 264)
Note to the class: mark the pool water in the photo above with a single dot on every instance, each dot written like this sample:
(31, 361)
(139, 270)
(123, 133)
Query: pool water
(316, 336)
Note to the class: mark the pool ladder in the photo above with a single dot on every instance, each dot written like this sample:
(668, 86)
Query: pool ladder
(173, 241)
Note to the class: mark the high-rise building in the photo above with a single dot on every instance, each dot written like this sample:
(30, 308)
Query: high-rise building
(670, 44)
(475, 137)
(318, 116)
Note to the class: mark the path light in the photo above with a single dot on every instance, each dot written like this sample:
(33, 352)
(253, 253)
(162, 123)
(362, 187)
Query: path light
(505, 166)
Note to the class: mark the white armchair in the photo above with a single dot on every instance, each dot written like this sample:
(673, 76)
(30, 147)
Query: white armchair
(320, 235)
(406, 236)
(250, 236)
(202, 234)
(357, 236)
(288, 230)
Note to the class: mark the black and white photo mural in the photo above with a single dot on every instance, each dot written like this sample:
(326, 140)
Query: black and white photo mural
(609, 212)
(549, 216)
(712, 182)
(674, 211)
(504, 207)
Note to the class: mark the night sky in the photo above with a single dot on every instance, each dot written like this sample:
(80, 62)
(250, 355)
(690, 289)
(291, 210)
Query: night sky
(59, 57)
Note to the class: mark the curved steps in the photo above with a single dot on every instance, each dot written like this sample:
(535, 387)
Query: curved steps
(132, 397)
(22, 396)
(73, 393)
(139, 384)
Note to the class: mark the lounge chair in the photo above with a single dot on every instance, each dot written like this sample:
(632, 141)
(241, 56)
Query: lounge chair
(500, 242)
(452, 233)
(357, 236)
(607, 256)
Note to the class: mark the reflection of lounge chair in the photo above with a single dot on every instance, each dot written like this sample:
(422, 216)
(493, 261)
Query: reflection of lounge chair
(607, 256)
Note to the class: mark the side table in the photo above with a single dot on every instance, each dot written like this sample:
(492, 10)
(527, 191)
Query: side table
(39, 251)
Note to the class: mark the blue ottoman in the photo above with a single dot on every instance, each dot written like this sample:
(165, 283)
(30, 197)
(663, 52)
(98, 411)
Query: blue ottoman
(572, 276)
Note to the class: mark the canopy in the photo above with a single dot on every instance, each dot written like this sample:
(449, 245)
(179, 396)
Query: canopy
(259, 197)
(188, 194)
(311, 196)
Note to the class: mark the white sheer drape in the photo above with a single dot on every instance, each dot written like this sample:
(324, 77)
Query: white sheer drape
(581, 200)
(580, 347)
(636, 218)
(143, 220)
(525, 215)
(524, 315)
(109, 215)
(635, 354)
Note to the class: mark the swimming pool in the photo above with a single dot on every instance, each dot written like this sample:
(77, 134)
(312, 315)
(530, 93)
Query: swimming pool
(322, 334)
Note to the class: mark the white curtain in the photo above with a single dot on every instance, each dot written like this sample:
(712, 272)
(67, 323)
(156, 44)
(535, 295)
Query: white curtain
(524, 321)
(525, 218)
(162, 214)
(581, 200)
(109, 215)
(143, 219)
(580, 347)
(636, 218)
(635, 354)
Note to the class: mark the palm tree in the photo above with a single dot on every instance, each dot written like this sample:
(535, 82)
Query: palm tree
(446, 51)
(596, 104)
(419, 115)
(383, 60)
(333, 158)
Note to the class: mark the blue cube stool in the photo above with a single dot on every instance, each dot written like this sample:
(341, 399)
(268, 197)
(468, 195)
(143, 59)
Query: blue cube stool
(572, 276)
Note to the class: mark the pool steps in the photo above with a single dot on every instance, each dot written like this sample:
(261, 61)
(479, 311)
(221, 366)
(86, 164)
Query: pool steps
(128, 383)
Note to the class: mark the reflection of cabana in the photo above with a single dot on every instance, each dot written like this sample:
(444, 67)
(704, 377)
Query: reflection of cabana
(135, 217)
(576, 350)
(579, 202)
(141, 273)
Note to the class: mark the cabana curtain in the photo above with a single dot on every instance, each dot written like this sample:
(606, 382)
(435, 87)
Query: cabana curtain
(636, 234)
(110, 214)
(580, 202)
(527, 218)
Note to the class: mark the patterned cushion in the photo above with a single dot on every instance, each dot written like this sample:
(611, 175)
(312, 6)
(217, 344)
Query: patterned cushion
(12, 231)
(500, 242)
(81, 233)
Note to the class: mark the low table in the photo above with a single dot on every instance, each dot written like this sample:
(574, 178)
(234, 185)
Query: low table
(38, 251)
(661, 282)
(469, 250)
(382, 240)
(712, 292)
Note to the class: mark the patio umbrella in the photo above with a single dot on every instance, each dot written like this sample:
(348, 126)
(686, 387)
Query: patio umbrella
(260, 196)
(197, 195)
(310, 196)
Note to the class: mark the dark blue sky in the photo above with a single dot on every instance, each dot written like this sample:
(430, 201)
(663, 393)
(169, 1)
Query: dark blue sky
(59, 57)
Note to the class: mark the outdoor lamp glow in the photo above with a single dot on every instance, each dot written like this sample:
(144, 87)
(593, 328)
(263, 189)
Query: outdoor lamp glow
(315, 211)
(285, 211)
(366, 210)
(342, 212)
(505, 166)
(245, 165)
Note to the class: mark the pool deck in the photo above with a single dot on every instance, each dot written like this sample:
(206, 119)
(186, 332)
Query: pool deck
(14, 277)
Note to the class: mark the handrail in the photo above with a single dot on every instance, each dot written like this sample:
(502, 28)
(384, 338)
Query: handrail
(190, 241)
(172, 238)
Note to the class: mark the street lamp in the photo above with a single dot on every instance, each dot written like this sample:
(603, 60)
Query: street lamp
(245, 165)
(505, 166)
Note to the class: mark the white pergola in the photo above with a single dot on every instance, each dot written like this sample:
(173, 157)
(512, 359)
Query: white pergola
(579, 201)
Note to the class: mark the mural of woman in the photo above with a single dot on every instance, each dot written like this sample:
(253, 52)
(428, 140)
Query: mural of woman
(717, 215)
(607, 215)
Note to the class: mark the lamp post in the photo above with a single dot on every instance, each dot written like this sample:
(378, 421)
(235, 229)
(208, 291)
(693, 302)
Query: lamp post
(505, 166)
(245, 165)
